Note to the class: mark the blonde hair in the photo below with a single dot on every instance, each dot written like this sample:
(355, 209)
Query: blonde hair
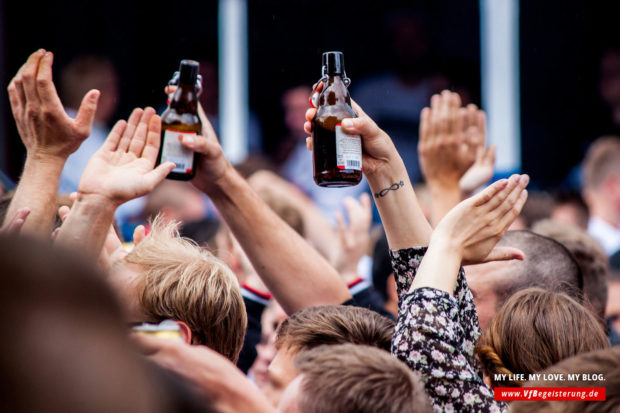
(602, 158)
(184, 282)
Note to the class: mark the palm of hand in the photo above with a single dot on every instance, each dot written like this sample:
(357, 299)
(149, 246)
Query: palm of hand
(118, 176)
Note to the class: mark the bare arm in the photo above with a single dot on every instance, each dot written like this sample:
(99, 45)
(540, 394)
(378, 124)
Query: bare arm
(450, 139)
(402, 216)
(296, 274)
(49, 135)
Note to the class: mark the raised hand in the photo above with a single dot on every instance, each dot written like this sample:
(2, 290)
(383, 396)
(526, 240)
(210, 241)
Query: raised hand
(122, 169)
(354, 238)
(475, 225)
(43, 124)
(450, 138)
(14, 224)
(378, 150)
(480, 172)
(469, 232)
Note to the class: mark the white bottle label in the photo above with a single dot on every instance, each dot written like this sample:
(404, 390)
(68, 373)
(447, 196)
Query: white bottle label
(174, 151)
(348, 150)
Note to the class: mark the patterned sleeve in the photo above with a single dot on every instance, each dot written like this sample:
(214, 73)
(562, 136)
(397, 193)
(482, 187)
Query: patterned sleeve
(435, 336)
(405, 264)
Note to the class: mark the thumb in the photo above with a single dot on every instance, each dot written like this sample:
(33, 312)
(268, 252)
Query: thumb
(86, 112)
(158, 174)
(360, 126)
(505, 254)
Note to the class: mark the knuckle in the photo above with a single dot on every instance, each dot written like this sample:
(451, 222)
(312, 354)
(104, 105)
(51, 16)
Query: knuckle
(31, 111)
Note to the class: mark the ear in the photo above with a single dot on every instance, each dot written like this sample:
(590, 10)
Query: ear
(186, 332)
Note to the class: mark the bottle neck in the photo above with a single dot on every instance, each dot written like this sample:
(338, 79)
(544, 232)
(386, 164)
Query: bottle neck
(185, 98)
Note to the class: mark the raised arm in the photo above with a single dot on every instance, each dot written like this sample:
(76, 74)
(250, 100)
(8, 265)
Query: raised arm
(451, 138)
(403, 219)
(296, 274)
(437, 325)
(121, 170)
(49, 136)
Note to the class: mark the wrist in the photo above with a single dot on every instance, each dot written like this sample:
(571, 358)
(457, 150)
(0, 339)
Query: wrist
(384, 177)
(44, 163)
(444, 186)
(221, 185)
(95, 202)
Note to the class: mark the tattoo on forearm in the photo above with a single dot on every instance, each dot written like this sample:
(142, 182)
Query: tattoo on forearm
(394, 187)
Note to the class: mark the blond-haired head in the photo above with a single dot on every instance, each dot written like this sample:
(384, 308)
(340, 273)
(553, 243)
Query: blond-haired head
(184, 282)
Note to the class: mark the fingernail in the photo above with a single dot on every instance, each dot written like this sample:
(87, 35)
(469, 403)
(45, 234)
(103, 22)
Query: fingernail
(514, 178)
(525, 179)
(347, 123)
(189, 140)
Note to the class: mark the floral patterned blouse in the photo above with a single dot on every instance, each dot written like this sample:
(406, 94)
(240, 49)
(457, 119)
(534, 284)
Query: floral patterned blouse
(435, 335)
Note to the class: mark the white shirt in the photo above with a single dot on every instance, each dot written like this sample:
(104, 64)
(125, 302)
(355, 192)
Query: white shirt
(606, 234)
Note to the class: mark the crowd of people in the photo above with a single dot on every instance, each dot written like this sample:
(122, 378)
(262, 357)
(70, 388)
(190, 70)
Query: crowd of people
(268, 303)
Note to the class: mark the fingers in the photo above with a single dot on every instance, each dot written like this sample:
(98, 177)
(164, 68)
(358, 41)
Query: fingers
(114, 137)
(425, 120)
(63, 212)
(154, 177)
(488, 158)
(16, 100)
(45, 85)
(511, 199)
(504, 254)
(139, 233)
(86, 112)
(497, 199)
(481, 124)
(153, 140)
(489, 192)
(28, 75)
(309, 143)
(14, 225)
(132, 124)
(310, 114)
(360, 126)
(138, 140)
(513, 212)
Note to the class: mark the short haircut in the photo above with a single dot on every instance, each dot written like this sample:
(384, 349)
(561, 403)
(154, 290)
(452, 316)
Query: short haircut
(575, 199)
(357, 379)
(547, 264)
(66, 348)
(184, 282)
(535, 329)
(335, 324)
(603, 362)
(602, 157)
(591, 258)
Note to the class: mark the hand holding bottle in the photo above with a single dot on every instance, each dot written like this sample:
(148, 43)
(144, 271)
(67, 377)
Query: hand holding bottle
(378, 150)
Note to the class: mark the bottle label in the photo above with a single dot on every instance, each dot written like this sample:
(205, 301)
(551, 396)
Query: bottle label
(174, 151)
(348, 150)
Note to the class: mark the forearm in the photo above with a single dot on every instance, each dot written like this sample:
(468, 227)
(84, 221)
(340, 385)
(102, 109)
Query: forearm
(443, 199)
(439, 268)
(87, 225)
(404, 222)
(37, 189)
(296, 274)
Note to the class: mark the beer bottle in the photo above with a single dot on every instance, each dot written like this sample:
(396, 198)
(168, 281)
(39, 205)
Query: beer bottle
(181, 119)
(336, 155)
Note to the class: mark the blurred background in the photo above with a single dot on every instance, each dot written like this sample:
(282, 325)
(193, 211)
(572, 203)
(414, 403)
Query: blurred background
(559, 67)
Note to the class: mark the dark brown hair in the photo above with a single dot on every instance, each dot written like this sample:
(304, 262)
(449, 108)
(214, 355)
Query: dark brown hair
(335, 324)
(357, 379)
(535, 329)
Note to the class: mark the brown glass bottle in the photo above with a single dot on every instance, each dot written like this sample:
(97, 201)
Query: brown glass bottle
(181, 119)
(336, 155)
